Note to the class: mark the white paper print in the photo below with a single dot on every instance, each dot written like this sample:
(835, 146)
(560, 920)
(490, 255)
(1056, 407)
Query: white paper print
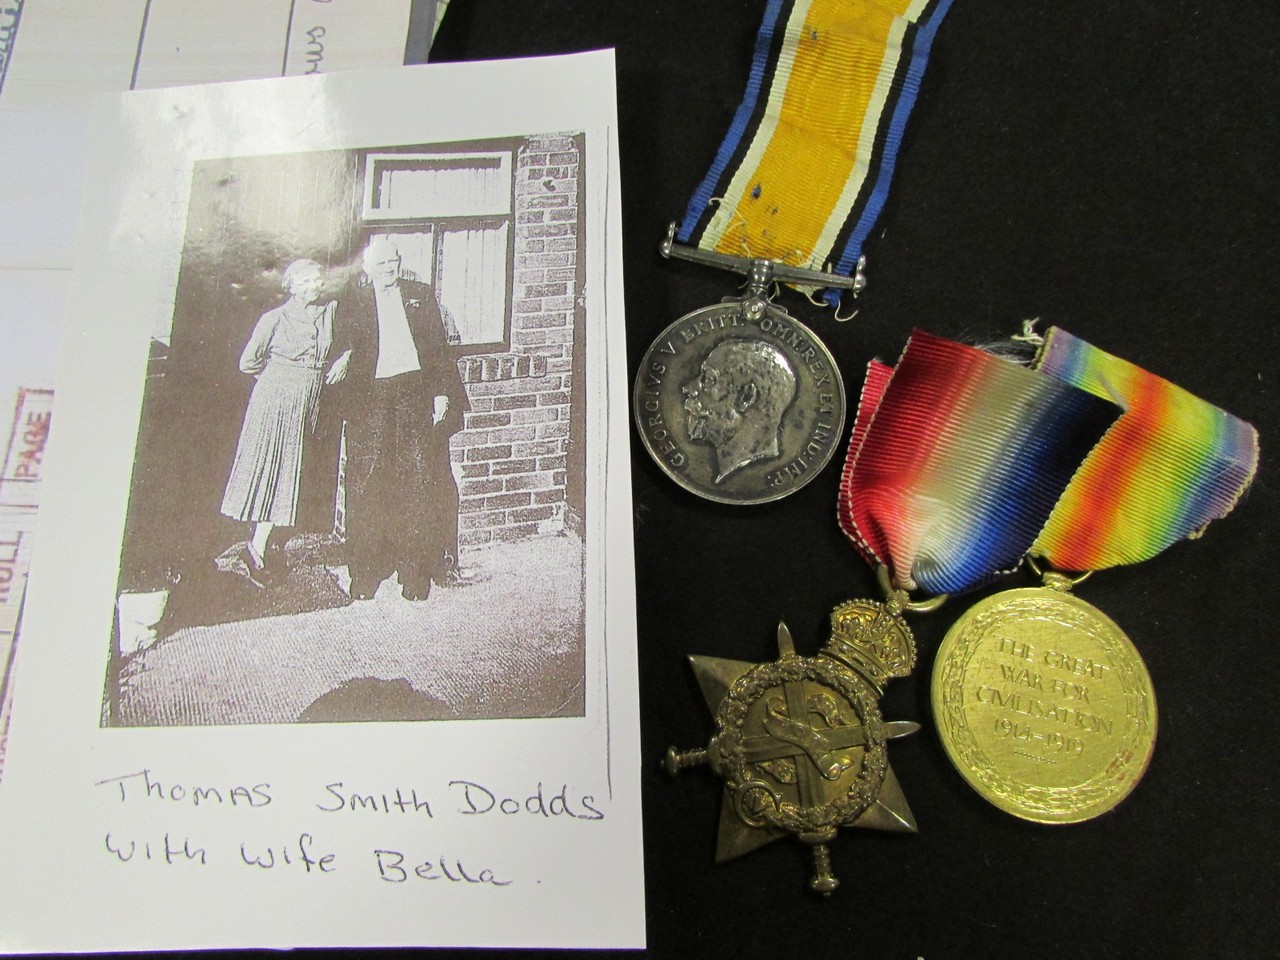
(331, 629)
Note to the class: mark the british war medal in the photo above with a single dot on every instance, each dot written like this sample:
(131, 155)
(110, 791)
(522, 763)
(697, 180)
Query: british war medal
(739, 402)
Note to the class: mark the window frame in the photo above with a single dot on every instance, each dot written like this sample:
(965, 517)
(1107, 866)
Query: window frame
(373, 221)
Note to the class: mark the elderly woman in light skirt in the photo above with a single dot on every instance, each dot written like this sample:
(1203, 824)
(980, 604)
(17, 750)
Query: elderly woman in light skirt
(288, 354)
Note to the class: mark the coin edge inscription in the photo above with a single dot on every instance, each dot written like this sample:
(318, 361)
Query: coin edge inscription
(659, 448)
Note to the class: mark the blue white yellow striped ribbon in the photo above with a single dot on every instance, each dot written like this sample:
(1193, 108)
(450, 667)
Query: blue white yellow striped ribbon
(805, 168)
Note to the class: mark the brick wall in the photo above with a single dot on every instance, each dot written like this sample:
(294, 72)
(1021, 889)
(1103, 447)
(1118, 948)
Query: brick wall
(512, 453)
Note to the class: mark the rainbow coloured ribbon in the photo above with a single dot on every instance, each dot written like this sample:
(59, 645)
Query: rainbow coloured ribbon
(805, 168)
(957, 459)
(1169, 466)
(960, 463)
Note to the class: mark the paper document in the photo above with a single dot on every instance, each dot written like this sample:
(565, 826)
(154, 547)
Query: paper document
(56, 55)
(20, 477)
(331, 628)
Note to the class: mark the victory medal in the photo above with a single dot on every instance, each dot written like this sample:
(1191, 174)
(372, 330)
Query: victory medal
(1042, 703)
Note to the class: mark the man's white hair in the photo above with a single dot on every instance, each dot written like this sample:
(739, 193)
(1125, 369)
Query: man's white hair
(378, 245)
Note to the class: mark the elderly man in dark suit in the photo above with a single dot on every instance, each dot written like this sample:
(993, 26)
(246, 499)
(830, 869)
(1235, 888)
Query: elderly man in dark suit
(404, 400)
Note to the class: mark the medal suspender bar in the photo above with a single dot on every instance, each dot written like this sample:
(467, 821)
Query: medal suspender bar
(741, 403)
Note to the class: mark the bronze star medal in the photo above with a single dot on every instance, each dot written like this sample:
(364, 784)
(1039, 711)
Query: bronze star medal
(800, 741)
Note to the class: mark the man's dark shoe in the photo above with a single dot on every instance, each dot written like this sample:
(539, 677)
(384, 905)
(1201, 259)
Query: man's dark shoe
(415, 592)
(363, 589)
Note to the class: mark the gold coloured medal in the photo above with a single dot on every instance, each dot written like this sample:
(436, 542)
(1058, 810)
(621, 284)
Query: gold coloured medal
(1043, 704)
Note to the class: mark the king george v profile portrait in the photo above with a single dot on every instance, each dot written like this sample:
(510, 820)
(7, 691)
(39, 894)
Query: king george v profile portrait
(737, 401)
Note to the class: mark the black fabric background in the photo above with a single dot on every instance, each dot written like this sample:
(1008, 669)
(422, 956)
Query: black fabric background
(1106, 167)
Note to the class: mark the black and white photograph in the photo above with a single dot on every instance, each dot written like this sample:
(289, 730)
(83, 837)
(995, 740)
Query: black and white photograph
(338, 597)
(359, 488)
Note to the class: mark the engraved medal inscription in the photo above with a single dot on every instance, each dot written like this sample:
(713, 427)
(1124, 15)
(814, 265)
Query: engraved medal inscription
(1044, 705)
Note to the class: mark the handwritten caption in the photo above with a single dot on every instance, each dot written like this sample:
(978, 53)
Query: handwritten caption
(313, 50)
(305, 853)
(10, 14)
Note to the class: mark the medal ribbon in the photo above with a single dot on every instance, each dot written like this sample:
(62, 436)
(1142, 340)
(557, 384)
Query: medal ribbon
(1171, 464)
(956, 461)
(804, 170)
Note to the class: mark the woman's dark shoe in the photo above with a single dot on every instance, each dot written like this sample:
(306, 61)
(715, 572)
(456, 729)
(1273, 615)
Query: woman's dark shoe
(255, 568)
(260, 578)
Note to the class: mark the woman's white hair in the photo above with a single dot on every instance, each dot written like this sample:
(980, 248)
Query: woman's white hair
(295, 268)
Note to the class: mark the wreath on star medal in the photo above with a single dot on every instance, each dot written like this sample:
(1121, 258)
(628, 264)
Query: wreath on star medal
(778, 813)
